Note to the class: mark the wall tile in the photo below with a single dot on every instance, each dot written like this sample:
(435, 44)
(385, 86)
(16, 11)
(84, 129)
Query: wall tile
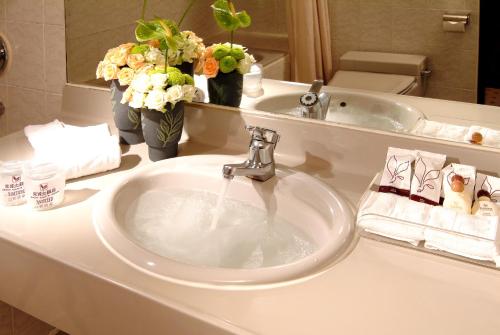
(2, 10)
(375, 26)
(52, 106)
(24, 10)
(53, 12)
(26, 106)
(25, 324)
(55, 58)
(26, 68)
(446, 4)
(5, 313)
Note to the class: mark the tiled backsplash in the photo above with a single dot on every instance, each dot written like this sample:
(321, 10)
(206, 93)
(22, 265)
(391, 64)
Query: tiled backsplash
(31, 88)
(413, 26)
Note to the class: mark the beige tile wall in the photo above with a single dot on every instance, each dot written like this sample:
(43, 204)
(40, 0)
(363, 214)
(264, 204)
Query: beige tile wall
(16, 322)
(413, 26)
(31, 88)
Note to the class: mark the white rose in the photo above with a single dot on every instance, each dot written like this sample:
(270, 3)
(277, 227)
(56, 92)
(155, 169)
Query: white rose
(159, 80)
(137, 100)
(142, 83)
(127, 95)
(189, 92)
(174, 94)
(156, 99)
(245, 64)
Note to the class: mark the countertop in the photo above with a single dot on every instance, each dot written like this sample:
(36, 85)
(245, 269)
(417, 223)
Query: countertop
(55, 267)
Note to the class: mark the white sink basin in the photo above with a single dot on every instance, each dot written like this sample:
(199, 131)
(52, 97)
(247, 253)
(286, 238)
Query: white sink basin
(356, 109)
(159, 220)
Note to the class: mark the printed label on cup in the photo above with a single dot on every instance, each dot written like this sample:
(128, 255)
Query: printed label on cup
(44, 197)
(13, 189)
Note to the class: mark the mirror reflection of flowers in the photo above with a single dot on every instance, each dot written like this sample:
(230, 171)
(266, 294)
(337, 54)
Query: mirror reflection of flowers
(190, 48)
(125, 61)
(225, 58)
(156, 88)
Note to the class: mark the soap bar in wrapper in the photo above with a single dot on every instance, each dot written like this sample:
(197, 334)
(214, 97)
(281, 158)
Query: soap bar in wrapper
(396, 177)
(426, 181)
(467, 172)
(490, 184)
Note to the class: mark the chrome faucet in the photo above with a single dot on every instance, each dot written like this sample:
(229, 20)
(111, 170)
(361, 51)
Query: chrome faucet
(260, 163)
(315, 104)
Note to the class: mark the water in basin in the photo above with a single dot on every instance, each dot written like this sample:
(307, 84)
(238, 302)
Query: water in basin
(177, 224)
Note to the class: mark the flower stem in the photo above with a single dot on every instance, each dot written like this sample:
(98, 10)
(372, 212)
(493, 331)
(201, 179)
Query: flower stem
(166, 59)
(144, 5)
(185, 12)
(231, 38)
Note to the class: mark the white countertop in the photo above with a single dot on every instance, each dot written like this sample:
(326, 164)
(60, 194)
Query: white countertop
(55, 267)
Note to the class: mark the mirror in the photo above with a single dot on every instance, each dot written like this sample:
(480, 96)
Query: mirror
(460, 71)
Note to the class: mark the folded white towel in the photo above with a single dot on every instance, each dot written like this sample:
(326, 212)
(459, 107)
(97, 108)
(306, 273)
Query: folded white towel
(386, 214)
(80, 151)
(479, 241)
(440, 130)
(491, 138)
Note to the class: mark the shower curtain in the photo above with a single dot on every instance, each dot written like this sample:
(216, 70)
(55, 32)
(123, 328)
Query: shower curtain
(308, 25)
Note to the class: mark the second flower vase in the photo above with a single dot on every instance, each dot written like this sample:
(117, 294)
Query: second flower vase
(127, 119)
(162, 131)
(186, 67)
(226, 89)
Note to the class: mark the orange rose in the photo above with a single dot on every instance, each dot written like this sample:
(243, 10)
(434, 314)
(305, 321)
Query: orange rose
(210, 67)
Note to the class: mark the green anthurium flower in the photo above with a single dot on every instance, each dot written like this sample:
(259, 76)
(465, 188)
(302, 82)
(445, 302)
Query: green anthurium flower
(140, 49)
(227, 18)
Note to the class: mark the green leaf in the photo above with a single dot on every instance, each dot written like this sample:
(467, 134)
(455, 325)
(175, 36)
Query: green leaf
(140, 49)
(160, 135)
(133, 117)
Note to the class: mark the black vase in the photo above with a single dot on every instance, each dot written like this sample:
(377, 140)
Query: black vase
(226, 89)
(186, 67)
(127, 119)
(162, 131)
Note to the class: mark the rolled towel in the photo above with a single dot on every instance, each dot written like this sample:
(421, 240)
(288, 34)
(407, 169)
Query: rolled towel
(478, 241)
(440, 130)
(81, 151)
(387, 214)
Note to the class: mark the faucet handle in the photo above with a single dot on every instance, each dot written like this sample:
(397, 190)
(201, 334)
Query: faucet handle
(264, 134)
(316, 86)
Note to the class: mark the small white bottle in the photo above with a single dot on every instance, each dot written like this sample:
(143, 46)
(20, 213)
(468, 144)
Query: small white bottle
(12, 183)
(483, 205)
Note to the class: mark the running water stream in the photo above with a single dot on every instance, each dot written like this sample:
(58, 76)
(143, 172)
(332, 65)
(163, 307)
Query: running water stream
(218, 206)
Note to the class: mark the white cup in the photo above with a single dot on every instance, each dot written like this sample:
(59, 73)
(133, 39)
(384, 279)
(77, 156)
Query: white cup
(45, 183)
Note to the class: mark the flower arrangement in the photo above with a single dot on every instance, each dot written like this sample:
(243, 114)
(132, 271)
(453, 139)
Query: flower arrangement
(225, 58)
(190, 48)
(156, 88)
(126, 60)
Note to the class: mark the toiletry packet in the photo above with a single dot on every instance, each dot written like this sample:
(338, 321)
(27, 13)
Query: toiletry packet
(468, 172)
(490, 184)
(489, 137)
(426, 181)
(396, 176)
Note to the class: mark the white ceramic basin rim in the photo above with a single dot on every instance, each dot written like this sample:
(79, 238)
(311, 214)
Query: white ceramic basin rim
(309, 204)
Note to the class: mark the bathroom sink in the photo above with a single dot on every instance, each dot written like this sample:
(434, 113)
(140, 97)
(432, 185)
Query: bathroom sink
(160, 220)
(356, 109)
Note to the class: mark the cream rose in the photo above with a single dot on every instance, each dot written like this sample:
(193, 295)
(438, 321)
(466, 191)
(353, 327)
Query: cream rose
(245, 64)
(117, 56)
(125, 76)
(98, 72)
(110, 71)
(137, 100)
(156, 99)
(135, 61)
(174, 94)
(155, 56)
(188, 92)
(127, 95)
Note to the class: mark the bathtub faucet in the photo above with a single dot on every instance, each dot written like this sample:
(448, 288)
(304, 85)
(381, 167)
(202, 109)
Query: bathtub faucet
(315, 104)
(260, 163)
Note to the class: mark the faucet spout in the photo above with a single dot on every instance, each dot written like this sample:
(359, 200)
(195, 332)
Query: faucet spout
(260, 163)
